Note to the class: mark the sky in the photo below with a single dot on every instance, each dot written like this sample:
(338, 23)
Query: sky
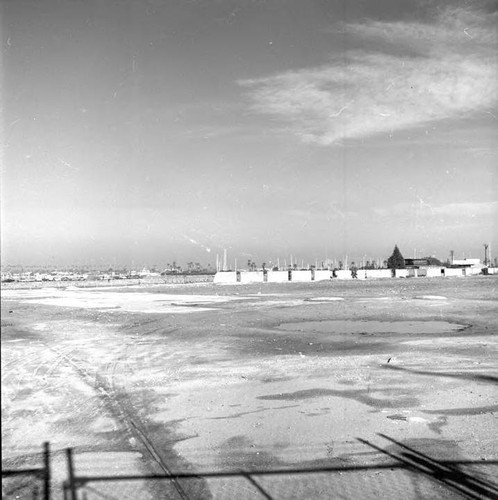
(141, 132)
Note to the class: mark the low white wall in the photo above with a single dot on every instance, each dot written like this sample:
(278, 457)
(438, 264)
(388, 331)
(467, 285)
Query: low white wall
(401, 273)
(251, 277)
(453, 271)
(434, 272)
(346, 274)
(301, 276)
(342, 274)
(225, 277)
(379, 273)
(472, 271)
(322, 274)
(278, 276)
(492, 270)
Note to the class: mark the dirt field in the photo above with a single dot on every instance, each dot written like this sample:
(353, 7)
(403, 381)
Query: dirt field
(151, 379)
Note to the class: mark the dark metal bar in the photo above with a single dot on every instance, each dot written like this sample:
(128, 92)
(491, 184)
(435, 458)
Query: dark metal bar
(425, 467)
(22, 472)
(196, 475)
(70, 470)
(47, 475)
(257, 486)
(445, 469)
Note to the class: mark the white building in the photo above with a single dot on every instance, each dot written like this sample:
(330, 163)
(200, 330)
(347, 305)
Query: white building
(467, 262)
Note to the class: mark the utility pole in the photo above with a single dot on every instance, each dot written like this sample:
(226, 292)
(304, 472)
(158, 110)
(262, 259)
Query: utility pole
(486, 254)
(452, 256)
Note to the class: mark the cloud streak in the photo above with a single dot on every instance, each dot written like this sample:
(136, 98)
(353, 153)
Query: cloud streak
(412, 73)
(460, 211)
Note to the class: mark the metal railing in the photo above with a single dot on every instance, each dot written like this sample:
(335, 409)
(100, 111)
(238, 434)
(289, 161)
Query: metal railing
(17, 478)
(404, 466)
(465, 478)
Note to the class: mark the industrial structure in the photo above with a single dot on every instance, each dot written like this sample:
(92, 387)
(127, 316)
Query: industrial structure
(417, 269)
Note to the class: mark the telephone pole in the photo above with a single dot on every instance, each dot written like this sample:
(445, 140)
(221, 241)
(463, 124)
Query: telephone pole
(486, 254)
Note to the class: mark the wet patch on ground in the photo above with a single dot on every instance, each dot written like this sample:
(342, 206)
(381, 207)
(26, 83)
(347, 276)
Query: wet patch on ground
(313, 344)
(270, 380)
(361, 396)
(324, 299)
(461, 412)
(239, 452)
(437, 425)
(456, 375)
(243, 413)
(431, 297)
(345, 381)
(334, 327)
(439, 449)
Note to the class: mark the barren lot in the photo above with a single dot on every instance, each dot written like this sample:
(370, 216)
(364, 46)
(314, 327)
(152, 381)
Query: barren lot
(143, 380)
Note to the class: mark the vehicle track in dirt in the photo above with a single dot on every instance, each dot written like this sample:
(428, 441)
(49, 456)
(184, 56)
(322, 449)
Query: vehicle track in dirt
(122, 409)
(21, 367)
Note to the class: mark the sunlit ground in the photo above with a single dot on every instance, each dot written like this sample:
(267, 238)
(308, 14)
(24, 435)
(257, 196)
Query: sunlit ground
(254, 377)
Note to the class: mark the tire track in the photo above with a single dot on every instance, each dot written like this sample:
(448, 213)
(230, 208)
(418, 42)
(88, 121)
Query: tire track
(15, 371)
(109, 394)
(135, 429)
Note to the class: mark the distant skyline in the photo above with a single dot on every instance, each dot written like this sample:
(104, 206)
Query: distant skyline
(142, 132)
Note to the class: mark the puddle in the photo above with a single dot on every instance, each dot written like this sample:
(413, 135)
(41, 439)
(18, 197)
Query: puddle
(325, 299)
(372, 327)
(360, 395)
(239, 452)
(431, 297)
(462, 412)
(109, 300)
(279, 303)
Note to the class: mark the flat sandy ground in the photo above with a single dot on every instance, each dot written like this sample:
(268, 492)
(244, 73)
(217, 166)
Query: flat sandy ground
(151, 379)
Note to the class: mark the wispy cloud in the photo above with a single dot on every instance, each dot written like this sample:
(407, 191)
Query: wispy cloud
(460, 211)
(469, 209)
(412, 73)
(482, 153)
(323, 211)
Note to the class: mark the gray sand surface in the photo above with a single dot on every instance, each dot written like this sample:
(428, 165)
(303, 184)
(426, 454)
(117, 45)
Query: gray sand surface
(255, 377)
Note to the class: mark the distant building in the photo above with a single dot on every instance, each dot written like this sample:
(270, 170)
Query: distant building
(423, 262)
(416, 263)
(466, 263)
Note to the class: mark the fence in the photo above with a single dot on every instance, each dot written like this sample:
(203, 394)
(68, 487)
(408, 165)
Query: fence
(401, 472)
(308, 276)
(18, 483)
(404, 473)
